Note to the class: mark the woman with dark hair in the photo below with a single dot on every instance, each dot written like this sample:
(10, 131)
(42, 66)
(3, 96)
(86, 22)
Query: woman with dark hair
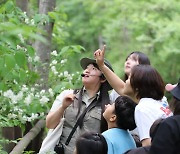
(146, 87)
(94, 94)
(120, 119)
(133, 59)
(167, 137)
(91, 143)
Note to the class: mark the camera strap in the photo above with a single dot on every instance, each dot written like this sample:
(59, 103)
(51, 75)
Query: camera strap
(80, 120)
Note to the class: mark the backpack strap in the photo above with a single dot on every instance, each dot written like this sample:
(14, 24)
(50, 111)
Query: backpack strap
(80, 120)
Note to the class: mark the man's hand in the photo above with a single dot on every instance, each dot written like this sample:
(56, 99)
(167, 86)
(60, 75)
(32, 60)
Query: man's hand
(68, 100)
(99, 56)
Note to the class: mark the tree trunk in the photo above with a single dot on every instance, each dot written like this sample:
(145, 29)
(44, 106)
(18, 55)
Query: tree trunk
(19, 148)
(23, 5)
(43, 49)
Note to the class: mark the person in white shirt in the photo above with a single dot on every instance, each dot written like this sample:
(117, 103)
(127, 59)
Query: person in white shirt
(146, 87)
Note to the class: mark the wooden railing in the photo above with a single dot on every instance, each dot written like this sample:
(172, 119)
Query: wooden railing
(31, 141)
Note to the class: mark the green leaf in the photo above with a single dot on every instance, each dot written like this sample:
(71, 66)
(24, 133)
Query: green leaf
(63, 50)
(37, 18)
(1, 64)
(20, 59)
(31, 51)
(9, 6)
(22, 75)
(2, 86)
(10, 61)
(57, 88)
(78, 48)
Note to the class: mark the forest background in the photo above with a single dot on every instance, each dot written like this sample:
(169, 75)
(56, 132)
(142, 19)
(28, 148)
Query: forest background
(42, 42)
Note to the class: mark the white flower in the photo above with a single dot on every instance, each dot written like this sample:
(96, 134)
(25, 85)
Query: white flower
(54, 62)
(36, 85)
(34, 116)
(51, 92)
(30, 59)
(16, 98)
(32, 21)
(15, 108)
(69, 77)
(44, 100)
(24, 118)
(54, 53)
(66, 73)
(28, 119)
(24, 88)
(28, 99)
(27, 21)
(60, 75)
(15, 82)
(53, 68)
(25, 49)
(21, 38)
(20, 111)
(42, 92)
(62, 88)
(12, 116)
(36, 59)
(19, 96)
(32, 89)
(63, 61)
(18, 47)
(9, 94)
(37, 95)
(42, 114)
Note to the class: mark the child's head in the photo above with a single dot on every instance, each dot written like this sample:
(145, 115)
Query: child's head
(91, 143)
(121, 113)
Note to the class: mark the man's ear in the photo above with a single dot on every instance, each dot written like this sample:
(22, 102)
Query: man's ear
(103, 80)
(113, 118)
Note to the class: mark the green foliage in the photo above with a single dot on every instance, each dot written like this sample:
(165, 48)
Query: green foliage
(125, 26)
(21, 98)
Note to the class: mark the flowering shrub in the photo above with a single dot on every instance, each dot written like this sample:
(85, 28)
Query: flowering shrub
(21, 103)
(22, 98)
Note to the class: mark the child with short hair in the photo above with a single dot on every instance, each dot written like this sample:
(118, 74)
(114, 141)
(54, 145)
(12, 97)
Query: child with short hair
(120, 119)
